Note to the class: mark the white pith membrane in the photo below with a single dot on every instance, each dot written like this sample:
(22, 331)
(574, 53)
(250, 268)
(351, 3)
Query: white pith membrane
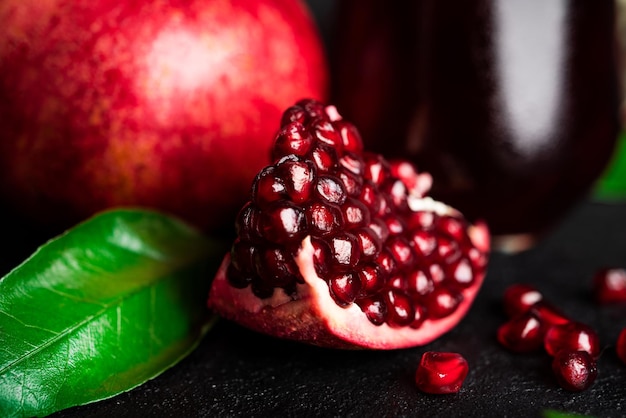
(314, 317)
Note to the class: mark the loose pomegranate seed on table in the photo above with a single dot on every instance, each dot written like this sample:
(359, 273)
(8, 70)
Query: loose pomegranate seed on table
(519, 298)
(572, 336)
(522, 333)
(574, 370)
(609, 285)
(441, 372)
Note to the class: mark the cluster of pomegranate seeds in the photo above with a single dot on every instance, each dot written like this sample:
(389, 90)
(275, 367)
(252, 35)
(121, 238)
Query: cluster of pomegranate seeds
(534, 324)
(399, 264)
(609, 285)
(441, 373)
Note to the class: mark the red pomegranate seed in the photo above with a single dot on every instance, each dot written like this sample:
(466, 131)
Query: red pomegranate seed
(374, 308)
(549, 314)
(441, 373)
(620, 347)
(344, 287)
(442, 302)
(574, 370)
(519, 298)
(371, 279)
(609, 286)
(572, 336)
(350, 136)
(324, 219)
(523, 333)
(268, 187)
(283, 221)
(399, 308)
(293, 138)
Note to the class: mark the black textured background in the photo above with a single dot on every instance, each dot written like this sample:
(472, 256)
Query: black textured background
(235, 372)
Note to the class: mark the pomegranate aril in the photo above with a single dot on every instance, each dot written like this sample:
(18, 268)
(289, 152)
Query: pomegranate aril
(421, 314)
(370, 243)
(376, 168)
(324, 157)
(325, 132)
(441, 373)
(400, 310)
(283, 222)
(374, 308)
(350, 136)
(353, 163)
(442, 302)
(620, 346)
(419, 282)
(401, 252)
(371, 197)
(386, 263)
(452, 227)
(242, 256)
(313, 108)
(275, 267)
(519, 298)
(394, 225)
(322, 256)
(344, 287)
(572, 336)
(351, 182)
(522, 333)
(396, 192)
(268, 187)
(549, 314)
(460, 273)
(574, 370)
(324, 219)
(424, 243)
(380, 228)
(330, 189)
(371, 279)
(294, 139)
(247, 223)
(345, 249)
(609, 285)
(297, 177)
(292, 114)
(448, 251)
(355, 214)
(422, 220)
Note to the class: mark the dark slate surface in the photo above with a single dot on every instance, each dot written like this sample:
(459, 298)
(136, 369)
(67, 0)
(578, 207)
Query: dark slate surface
(235, 372)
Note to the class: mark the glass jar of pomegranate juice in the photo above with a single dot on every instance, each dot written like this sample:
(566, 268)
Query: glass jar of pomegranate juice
(512, 105)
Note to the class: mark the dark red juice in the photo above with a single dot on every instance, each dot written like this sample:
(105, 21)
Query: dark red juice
(512, 105)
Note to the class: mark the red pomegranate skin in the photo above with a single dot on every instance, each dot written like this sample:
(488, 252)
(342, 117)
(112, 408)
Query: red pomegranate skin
(165, 104)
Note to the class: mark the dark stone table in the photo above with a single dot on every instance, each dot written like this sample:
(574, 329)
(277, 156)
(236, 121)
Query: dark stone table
(235, 372)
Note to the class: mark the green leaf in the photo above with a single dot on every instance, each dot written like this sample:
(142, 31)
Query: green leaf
(551, 413)
(612, 184)
(101, 309)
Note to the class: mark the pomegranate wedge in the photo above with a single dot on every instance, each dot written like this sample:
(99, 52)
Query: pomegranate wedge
(338, 247)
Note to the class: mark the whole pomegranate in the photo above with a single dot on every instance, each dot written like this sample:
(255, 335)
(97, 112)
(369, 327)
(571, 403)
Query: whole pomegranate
(165, 104)
(339, 247)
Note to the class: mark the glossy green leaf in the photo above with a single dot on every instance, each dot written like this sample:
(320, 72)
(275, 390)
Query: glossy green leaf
(101, 309)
